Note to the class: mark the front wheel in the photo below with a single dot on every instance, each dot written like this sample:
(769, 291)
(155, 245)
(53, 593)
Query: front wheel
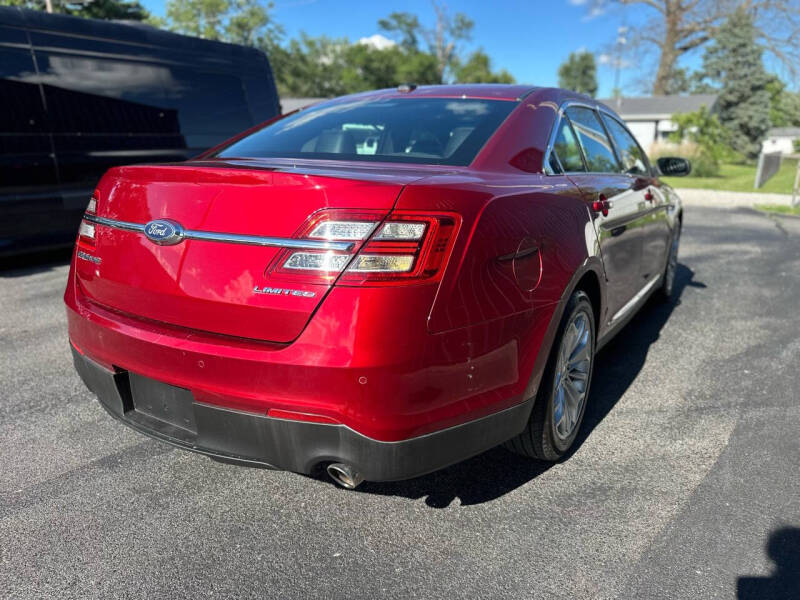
(668, 286)
(561, 400)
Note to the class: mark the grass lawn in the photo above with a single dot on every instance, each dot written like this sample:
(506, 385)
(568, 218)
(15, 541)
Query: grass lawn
(739, 178)
(779, 208)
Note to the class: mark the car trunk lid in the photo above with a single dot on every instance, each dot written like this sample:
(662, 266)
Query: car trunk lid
(220, 286)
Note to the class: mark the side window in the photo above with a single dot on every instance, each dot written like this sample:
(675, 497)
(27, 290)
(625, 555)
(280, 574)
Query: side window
(634, 160)
(565, 147)
(592, 137)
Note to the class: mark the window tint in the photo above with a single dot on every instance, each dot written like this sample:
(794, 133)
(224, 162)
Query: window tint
(22, 110)
(97, 95)
(592, 137)
(447, 131)
(565, 147)
(630, 153)
(88, 94)
(207, 102)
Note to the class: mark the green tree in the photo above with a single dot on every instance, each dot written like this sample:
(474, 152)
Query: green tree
(246, 22)
(711, 138)
(130, 10)
(784, 106)
(406, 26)
(443, 39)
(579, 73)
(734, 62)
(478, 69)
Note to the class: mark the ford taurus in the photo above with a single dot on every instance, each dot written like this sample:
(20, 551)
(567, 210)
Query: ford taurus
(379, 285)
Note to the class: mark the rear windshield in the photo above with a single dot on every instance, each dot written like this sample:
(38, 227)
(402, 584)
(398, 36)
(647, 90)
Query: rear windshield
(447, 131)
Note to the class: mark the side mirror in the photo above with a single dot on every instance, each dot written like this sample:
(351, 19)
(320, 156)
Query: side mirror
(674, 166)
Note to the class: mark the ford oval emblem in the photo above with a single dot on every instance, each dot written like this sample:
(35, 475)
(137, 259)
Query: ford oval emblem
(164, 232)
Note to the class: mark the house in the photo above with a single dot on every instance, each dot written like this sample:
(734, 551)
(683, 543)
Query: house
(781, 139)
(650, 118)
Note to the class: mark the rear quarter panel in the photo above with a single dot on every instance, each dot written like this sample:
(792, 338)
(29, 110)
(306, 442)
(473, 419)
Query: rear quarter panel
(499, 301)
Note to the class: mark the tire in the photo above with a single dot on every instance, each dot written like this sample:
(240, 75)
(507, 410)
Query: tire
(667, 289)
(548, 436)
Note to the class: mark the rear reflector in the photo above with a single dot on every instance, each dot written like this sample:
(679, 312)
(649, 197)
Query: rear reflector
(92, 206)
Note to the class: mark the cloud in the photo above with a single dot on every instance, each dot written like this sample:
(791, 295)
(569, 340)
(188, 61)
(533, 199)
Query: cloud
(594, 12)
(377, 41)
(577, 2)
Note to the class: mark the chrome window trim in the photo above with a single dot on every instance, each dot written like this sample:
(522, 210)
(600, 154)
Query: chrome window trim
(231, 238)
(552, 138)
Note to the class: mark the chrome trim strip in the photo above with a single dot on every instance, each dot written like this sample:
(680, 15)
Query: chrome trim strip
(630, 304)
(233, 238)
(124, 225)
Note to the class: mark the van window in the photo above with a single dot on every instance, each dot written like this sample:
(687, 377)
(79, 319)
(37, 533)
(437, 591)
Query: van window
(597, 148)
(22, 110)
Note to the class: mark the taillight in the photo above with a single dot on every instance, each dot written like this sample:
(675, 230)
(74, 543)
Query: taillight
(86, 231)
(405, 247)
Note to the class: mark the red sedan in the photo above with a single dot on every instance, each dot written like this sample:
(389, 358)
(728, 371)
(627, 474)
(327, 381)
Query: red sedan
(380, 285)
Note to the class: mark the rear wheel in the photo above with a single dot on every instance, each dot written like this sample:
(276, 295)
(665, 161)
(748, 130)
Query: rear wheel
(561, 400)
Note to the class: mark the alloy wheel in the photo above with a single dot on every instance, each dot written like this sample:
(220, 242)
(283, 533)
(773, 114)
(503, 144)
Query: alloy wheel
(573, 369)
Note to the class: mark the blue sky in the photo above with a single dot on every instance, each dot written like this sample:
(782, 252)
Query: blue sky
(530, 38)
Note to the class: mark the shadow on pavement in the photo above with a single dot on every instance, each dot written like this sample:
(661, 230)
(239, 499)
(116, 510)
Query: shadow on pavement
(35, 262)
(783, 548)
(497, 472)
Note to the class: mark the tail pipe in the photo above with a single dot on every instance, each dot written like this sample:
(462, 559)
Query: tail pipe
(345, 475)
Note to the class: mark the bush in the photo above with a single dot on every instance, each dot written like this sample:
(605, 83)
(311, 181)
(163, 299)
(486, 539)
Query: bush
(710, 140)
(796, 144)
(703, 163)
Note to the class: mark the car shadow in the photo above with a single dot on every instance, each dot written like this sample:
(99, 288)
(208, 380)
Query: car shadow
(22, 265)
(783, 547)
(497, 472)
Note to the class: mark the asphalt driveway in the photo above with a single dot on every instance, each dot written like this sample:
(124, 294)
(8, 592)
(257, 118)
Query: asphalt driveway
(684, 485)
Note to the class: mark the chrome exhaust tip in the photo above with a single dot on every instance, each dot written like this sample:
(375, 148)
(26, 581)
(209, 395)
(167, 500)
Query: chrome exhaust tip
(344, 475)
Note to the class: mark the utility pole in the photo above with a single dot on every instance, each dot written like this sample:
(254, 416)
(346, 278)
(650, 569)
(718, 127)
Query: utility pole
(621, 41)
(48, 4)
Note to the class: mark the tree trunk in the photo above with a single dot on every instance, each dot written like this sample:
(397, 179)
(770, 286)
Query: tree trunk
(669, 51)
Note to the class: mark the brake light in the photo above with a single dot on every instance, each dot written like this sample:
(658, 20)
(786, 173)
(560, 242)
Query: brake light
(405, 247)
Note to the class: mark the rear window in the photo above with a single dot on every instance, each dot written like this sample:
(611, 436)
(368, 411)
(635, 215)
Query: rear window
(448, 131)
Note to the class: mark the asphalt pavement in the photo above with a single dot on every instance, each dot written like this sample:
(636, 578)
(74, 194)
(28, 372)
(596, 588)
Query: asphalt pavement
(684, 483)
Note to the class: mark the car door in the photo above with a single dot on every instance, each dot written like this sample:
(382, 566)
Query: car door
(616, 204)
(656, 231)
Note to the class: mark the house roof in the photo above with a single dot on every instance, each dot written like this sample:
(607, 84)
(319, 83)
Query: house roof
(658, 107)
(792, 132)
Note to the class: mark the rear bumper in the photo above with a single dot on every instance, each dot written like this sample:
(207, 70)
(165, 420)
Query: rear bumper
(301, 446)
